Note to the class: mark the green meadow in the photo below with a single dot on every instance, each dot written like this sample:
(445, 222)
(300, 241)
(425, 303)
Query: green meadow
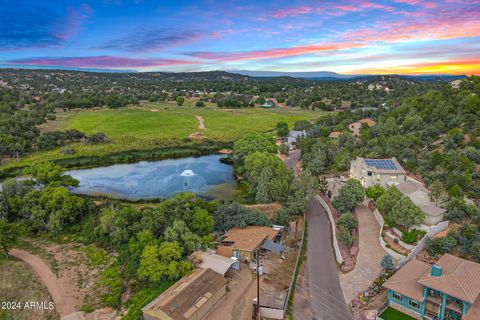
(161, 125)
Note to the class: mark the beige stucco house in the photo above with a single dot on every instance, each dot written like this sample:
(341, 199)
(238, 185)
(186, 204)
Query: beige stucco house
(384, 172)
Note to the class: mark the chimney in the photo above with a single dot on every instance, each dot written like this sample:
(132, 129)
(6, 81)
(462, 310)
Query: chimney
(436, 270)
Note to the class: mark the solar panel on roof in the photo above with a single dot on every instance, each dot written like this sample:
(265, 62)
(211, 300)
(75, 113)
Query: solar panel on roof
(385, 164)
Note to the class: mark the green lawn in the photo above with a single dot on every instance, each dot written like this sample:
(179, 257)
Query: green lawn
(392, 314)
(158, 125)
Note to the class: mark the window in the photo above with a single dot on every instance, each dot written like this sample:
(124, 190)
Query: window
(414, 304)
(397, 296)
(393, 177)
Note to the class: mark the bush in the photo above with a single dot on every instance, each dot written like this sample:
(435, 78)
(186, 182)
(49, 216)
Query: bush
(387, 262)
(412, 236)
(442, 245)
(348, 221)
(345, 236)
(282, 217)
(375, 192)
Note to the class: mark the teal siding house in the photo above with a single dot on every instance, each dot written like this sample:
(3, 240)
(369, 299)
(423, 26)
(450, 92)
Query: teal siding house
(449, 289)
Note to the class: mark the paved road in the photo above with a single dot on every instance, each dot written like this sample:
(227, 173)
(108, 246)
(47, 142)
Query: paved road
(324, 285)
(292, 160)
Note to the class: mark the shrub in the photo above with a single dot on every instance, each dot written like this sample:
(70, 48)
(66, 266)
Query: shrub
(412, 236)
(348, 220)
(387, 262)
(345, 236)
(375, 192)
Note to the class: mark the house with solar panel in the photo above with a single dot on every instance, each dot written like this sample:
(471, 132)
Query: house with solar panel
(384, 172)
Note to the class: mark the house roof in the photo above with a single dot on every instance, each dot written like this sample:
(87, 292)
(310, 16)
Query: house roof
(335, 134)
(405, 280)
(218, 263)
(187, 295)
(384, 165)
(432, 210)
(409, 187)
(460, 278)
(249, 238)
(273, 247)
(368, 121)
(296, 134)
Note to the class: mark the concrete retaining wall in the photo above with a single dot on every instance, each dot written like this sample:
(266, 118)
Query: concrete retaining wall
(381, 222)
(338, 255)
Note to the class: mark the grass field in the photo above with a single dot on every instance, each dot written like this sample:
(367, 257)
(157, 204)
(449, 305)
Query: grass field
(157, 125)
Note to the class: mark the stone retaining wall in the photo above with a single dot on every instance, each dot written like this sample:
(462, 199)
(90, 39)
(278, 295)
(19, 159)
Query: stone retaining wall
(338, 255)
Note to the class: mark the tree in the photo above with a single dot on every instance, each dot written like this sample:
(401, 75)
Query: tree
(437, 190)
(200, 103)
(253, 142)
(323, 185)
(348, 220)
(181, 234)
(387, 263)
(162, 262)
(283, 148)
(202, 222)
(406, 213)
(387, 200)
(3, 206)
(234, 215)
(297, 200)
(9, 234)
(48, 172)
(282, 217)
(282, 129)
(262, 193)
(375, 192)
(349, 196)
(180, 100)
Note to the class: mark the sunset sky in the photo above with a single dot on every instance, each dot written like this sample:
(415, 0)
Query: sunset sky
(349, 37)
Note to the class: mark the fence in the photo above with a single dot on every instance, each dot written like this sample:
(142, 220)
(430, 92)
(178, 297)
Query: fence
(421, 244)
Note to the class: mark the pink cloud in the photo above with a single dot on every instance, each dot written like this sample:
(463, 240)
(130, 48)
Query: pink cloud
(294, 11)
(271, 53)
(100, 62)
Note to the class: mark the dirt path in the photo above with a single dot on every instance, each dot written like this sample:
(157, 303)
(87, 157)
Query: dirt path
(64, 302)
(201, 122)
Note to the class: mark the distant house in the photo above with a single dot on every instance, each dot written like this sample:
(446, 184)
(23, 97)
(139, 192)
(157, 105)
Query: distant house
(245, 241)
(335, 134)
(449, 289)
(269, 103)
(293, 135)
(384, 172)
(357, 125)
(190, 298)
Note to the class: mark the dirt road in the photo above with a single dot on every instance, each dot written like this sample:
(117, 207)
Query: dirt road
(201, 122)
(64, 302)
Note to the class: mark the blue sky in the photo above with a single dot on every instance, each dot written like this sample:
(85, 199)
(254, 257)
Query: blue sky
(345, 36)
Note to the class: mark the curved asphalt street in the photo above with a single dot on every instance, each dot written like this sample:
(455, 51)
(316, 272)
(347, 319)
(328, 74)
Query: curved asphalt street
(326, 296)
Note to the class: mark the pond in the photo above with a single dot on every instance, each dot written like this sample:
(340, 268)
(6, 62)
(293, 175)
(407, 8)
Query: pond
(205, 176)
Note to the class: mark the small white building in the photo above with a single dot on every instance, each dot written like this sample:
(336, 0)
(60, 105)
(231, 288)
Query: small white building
(384, 172)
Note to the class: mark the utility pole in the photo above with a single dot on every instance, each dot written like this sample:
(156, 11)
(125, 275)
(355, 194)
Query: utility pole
(258, 285)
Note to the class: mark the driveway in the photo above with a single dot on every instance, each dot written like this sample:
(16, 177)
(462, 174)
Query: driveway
(292, 159)
(370, 254)
(326, 294)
